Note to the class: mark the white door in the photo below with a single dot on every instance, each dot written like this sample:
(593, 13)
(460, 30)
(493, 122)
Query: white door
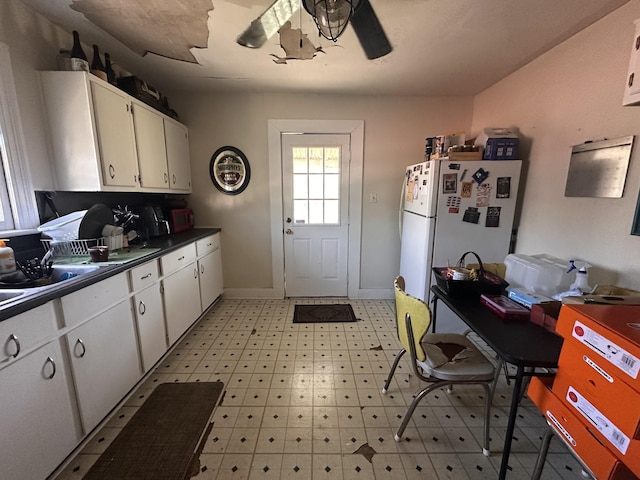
(316, 215)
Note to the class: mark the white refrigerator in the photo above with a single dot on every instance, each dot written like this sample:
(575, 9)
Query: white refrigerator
(449, 208)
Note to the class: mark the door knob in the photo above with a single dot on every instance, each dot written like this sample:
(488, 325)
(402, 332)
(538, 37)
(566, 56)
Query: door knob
(288, 231)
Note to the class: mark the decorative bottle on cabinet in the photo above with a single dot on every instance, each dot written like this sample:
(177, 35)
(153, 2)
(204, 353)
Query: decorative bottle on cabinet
(111, 74)
(79, 60)
(97, 67)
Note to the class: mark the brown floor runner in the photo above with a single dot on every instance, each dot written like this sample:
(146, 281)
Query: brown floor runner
(341, 312)
(159, 441)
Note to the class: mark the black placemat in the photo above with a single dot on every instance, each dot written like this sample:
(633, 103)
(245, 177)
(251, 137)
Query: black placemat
(159, 441)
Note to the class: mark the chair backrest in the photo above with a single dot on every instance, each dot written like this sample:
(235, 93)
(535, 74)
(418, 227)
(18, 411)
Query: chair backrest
(419, 313)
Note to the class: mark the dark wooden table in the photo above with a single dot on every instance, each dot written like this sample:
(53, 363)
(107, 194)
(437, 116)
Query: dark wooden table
(520, 343)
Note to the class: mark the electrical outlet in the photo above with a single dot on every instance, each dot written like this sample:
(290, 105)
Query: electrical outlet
(373, 198)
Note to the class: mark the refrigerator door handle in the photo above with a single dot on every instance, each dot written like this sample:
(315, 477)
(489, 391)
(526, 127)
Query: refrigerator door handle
(401, 208)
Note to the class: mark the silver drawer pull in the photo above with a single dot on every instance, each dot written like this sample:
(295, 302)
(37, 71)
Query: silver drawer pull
(53, 365)
(195, 273)
(14, 339)
(142, 307)
(146, 276)
(84, 349)
(201, 268)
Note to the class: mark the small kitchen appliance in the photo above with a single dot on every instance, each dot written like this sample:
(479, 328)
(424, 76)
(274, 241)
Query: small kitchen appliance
(180, 219)
(151, 221)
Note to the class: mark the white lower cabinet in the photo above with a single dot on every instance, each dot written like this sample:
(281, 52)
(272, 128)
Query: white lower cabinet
(210, 271)
(147, 306)
(104, 361)
(38, 428)
(181, 301)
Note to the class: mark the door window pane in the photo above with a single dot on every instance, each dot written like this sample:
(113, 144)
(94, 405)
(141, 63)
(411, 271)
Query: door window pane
(316, 185)
(300, 211)
(300, 189)
(331, 211)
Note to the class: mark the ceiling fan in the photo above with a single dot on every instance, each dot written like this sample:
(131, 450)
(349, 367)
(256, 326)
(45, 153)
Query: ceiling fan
(363, 19)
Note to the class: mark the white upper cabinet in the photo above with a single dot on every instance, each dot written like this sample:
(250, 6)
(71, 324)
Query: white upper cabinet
(105, 140)
(152, 154)
(117, 151)
(632, 87)
(177, 142)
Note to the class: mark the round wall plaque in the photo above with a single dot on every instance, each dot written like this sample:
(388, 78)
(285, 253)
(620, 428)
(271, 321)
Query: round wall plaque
(229, 170)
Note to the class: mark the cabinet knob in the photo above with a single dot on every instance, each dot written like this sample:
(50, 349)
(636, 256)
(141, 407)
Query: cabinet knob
(142, 308)
(638, 43)
(288, 231)
(630, 83)
(288, 220)
(53, 368)
(14, 339)
(195, 273)
(112, 171)
(202, 269)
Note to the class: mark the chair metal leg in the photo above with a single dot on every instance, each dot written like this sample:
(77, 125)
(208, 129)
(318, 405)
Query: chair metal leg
(414, 404)
(488, 389)
(393, 369)
(496, 377)
(542, 454)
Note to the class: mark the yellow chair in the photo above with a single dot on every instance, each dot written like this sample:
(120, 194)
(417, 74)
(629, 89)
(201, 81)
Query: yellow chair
(440, 359)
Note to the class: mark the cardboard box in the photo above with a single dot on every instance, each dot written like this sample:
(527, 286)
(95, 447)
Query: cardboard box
(609, 332)
(582, 371)
(499, 144)
(546, 314)
(600, 460)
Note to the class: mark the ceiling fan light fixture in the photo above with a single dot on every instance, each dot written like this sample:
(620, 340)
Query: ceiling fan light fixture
(331, 16)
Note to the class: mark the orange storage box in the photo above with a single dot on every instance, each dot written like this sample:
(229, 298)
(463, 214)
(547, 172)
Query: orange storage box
(604, 464)
(585, 372)
(610, 332)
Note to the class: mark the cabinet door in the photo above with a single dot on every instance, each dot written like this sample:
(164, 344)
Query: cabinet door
(150, 145)
(114, 128)
(38, 429)
(210, 270)
(177, 141)
(152, 337)
(181, 301)
(105, 362)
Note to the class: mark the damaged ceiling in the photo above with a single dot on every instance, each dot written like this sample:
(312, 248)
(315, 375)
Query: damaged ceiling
(440, 47)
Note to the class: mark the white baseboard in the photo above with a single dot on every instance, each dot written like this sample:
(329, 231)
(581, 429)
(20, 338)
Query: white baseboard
(372, 293)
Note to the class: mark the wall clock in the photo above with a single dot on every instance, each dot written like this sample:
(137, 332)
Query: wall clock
(229, 170)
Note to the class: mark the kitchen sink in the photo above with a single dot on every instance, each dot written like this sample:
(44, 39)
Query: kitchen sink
(8, 295)
(60, 273)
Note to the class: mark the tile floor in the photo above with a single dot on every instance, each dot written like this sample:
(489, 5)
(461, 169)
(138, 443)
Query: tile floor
(304, 401)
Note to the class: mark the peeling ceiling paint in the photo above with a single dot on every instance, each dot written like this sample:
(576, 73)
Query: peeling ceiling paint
(166, 28)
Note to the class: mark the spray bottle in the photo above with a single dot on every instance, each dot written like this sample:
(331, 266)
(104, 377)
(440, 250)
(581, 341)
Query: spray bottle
(582, 276)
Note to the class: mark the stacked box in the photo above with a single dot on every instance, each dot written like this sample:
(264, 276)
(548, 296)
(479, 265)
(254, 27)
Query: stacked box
(600, 460)
(598, 378)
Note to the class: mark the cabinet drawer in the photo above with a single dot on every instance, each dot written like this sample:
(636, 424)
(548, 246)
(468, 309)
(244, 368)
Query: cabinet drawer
(175, 260)
(91, 300)
(208, 244)
(143, 275)
(18, 334)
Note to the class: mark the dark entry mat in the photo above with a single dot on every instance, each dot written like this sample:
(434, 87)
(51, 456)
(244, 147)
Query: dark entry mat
(159, 441)
(320, 313)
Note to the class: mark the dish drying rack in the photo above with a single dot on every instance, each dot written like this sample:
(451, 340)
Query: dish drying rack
(75, 248)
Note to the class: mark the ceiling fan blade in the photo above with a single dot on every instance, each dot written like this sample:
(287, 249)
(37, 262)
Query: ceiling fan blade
(369, 31)
(267, 24)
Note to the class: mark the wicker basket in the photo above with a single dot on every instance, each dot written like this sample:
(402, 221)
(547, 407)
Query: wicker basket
(487, 282)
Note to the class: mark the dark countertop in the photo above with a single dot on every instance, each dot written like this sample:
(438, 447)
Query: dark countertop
(43, 295)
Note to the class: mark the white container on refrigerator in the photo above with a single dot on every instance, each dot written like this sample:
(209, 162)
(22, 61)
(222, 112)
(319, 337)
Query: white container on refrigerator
(470, 207)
